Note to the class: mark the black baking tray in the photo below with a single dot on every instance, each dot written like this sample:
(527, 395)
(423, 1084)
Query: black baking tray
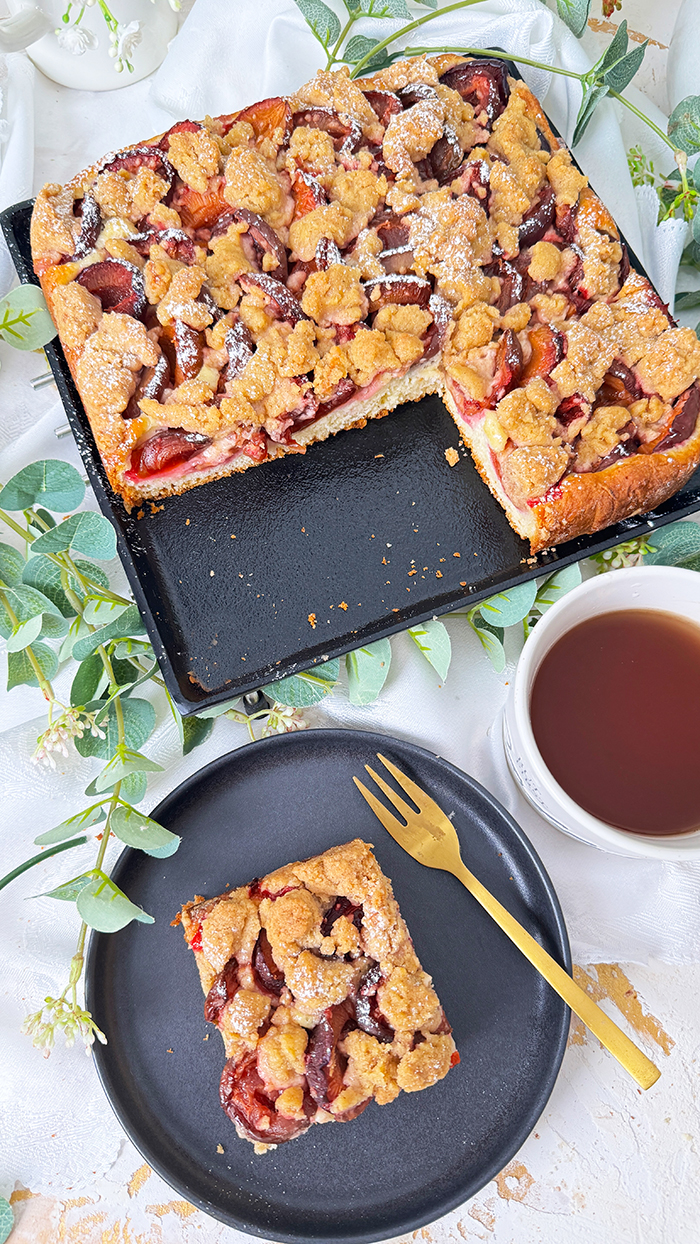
(263, 574)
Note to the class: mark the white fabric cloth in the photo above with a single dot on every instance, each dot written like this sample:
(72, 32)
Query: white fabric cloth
(16, 143)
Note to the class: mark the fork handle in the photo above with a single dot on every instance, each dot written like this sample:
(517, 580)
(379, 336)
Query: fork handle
(613, 1038)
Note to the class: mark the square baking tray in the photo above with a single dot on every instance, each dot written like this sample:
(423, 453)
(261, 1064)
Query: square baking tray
(263, 574)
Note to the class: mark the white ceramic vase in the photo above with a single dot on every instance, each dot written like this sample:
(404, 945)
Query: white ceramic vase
(78, 55)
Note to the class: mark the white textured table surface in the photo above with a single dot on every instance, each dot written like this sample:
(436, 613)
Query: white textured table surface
(605, 1163)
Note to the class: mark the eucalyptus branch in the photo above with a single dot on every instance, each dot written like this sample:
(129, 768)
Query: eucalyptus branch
(38, 859)
(414, 25)
(333, 56)
(518, 60)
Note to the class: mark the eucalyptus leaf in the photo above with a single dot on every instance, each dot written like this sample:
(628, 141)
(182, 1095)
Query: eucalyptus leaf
(133, 648)
(24, 318)
(7, 1220)
(218, 710)
(321, 20)
(428, 4)
(689, 298)
(195, 730)
(695, 229)
(592, 96)
(26, 602)
(673, 544)
(683, 128)
(19, 668)
(104, 907)
(507, 608)
(385, 8)
(621, 74)
(491, 637)
(434, 642)
(690, 563)
(556, 586)
(55, 484)
(76, 630)
(614, 52)
(24, 634)
(44, 574)
(86, 532)
(11, 565)
(133, 787)
(139, 722)
(138, 830)
(357, 48)
(120, 766)
(302, 690)
(575, 14)
(69, 891)
(367, 670)
(47, 519)
(81, 820)
(128, 623)
(98, 612)
(89, 675)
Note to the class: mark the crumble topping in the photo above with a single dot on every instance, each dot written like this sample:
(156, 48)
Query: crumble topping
(311, 978)
(289, 261)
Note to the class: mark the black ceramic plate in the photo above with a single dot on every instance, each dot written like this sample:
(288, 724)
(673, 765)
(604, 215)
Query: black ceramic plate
(350, 521)
(396, 1167)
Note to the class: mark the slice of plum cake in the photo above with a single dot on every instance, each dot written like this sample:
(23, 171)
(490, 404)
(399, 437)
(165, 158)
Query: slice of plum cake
(311, 977)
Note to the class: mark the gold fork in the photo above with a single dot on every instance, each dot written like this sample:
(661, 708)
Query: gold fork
(430, 837)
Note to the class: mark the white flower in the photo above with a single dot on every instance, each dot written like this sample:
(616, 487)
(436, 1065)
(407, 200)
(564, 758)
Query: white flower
(124, 40)
(76, 39)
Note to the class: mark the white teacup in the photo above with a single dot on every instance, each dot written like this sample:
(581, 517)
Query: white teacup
(648, 587)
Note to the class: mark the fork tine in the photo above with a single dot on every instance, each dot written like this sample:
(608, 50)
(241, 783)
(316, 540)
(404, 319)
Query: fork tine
(407, 813)
(419, 797)
(389, 822)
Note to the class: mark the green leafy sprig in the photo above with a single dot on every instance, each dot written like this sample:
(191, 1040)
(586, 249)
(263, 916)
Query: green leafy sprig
(25, 322)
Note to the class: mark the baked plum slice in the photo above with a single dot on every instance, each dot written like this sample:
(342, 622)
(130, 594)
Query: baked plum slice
(184, 348)
(140, 157)
(341, 907)
(325, 1064)
(547, 349)
(283, 303)
(685, 417)
(152, 384)
(307, 193)
(367, 1014)
(537, 219)
(270, 118)
(445, 157)
(245, 1099)
(225, 985)
(397, 288)
(385, 103)
(346, 136)
(117, 284)
(483, 83)
(90, 225)
(509, 366)
(258, 240)
(165, 450)
(268, 977)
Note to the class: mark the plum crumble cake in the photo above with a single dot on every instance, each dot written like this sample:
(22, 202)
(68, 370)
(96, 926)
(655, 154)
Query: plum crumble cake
(236, 289)
(311, 978)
